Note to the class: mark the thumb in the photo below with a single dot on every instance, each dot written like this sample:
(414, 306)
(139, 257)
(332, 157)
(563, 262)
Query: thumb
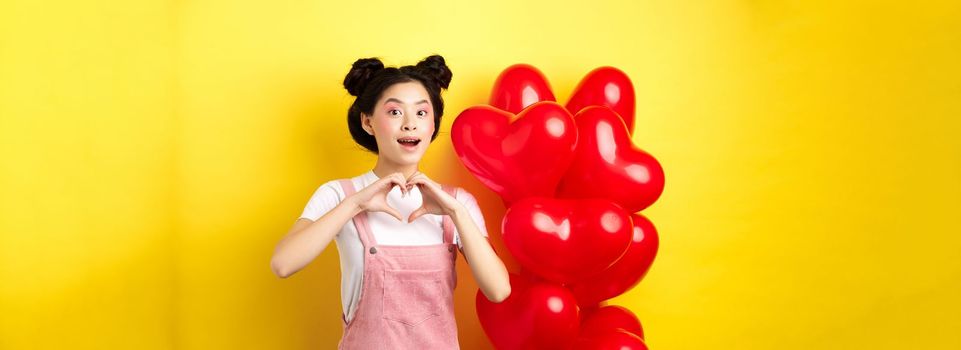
(393, 213)
(416, 214)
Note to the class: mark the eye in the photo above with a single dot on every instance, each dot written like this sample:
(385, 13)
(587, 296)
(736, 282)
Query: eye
(422, 113)
(393, 112)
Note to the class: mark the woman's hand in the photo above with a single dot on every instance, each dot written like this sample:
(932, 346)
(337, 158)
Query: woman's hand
(436, 201)
(374, 197)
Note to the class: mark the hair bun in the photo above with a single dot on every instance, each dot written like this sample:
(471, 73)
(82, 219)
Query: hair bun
(360, 74)
(434, 67)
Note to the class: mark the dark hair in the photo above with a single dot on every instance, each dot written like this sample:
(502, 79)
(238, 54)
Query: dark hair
(368, 78)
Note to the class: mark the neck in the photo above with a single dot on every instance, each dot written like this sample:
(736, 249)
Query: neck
(384, 168)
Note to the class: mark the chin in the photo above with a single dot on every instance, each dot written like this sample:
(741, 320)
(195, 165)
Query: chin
(412, 161)
(407, 159)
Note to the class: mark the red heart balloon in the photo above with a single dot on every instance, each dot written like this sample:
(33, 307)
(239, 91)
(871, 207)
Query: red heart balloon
(605, 86)
(626, 272)
(537, 315)
(609, 317)
(519, 158)
(614, 339)
(520, 86)
(607, 165)
(588, 309)
(566, 240)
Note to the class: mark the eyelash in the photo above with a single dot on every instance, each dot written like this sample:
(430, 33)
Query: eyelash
(390, 112)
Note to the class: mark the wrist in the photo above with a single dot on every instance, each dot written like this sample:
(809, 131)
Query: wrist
(458, 211)
(352, 206)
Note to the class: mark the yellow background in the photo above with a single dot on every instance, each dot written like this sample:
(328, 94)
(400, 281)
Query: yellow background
(153, 152)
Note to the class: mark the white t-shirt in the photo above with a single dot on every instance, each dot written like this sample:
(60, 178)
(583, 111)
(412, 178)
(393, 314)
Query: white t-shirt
(387, 230)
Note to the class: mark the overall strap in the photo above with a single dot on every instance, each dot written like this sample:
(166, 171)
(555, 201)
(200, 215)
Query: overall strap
(448, 224)
(360, 220)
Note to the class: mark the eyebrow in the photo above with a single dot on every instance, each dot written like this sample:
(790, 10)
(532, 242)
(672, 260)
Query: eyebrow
(399, 101)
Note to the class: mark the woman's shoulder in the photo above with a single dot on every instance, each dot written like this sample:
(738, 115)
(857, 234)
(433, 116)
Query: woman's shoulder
(327, 196)
(330, 189)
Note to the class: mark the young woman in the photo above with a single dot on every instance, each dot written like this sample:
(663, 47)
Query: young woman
(397, 231)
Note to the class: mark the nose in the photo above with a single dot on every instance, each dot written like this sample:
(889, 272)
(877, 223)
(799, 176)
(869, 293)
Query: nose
(409, 124)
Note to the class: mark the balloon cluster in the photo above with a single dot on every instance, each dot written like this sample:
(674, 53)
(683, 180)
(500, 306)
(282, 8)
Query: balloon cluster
(573, 183)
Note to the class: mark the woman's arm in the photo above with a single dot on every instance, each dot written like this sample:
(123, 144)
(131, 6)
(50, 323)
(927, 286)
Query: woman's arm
(488, 269)
(307, 239)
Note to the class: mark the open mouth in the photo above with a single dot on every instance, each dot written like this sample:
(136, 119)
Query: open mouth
(409, 142)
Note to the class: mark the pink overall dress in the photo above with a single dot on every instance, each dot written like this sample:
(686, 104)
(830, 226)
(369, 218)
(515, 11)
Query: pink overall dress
(407, 294)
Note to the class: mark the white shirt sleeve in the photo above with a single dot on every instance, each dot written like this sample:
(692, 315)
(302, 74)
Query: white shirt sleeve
(325, 198)
(470, 203)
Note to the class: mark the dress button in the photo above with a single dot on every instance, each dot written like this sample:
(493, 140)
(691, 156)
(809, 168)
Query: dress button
(373, 250)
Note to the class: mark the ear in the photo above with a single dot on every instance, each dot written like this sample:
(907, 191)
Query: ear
(365, 123)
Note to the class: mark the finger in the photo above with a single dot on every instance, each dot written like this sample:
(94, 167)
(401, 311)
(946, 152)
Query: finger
(406, 184)
(393, 180)
(416, 214)
(423, 179)
(424, 182)
(393, 213)
(427, 187)
(390, 184)
(420, 183)
(416, 180)
(401, 182)
(409, 179)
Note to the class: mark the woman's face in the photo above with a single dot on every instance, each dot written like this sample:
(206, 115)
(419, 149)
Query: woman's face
(402, 123)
